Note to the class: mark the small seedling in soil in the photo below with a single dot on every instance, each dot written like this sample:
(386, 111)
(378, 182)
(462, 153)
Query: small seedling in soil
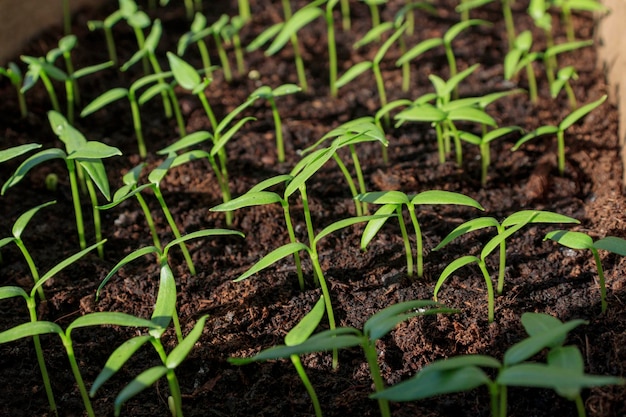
(567, 6)
(507, 13)
(375, 328)
(579, 240)
(393, 201)
(561, 82)
(79, 155)
(563, 371)
(14, 74)
(107, 27)
(507, 228)
(196, 34)
(519, 57)
(559, 130)
(35, 327)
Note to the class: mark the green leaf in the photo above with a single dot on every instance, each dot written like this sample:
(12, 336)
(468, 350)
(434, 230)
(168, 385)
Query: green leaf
(140, 383)
(530, 346)
(22, 221)
(286, 89)
(567, 357)
(123, 194)
(374, 225)
(573, 240)
(299, 19)
(158, 173)
(259, 198)
(97, 173)
(308, 170)
(342, 224)
(565, 47)
(451, 268)
(445, 197)
(539, 216)
(94, 150)
(544, 376)
(270, 182)
(180, 352)
(455, 30)
(273, 257)
(581, 112)
(307, 325)
(112, 318)
(152, 92)
(612, 244)
(117, 359)
(190, 156)
(104, 99)
(471, 114)
(265, 36)
(92, 69)
(29, 329)
(432, 383)
(502, 236)
(223, 139)
(187, 141)
(198, 234)
(385, 320)
(184, 74)
(30, 163)
(384, 197)
(16, 151)
(543, 130)
(463, 361)
(353, 72)
(536, 323)
(165, 305)
(373, 34)
(418, 50)
(469, 226)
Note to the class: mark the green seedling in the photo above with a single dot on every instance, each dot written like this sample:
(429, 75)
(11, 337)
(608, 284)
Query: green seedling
(287, 31)
(559, 130)
(562, 81)
(40, 69)
(230, 35)
(445, 41)
(579, 240)
(374, 64)
(393, 201)
(270, 95)
(165, 308)
(519, 57)
(563, 371)
(138, 20)
(79, 155)
(217, 156)
(507, 13)
(129, 189)
(407, 12)
(375, 328)
(567, 6)
(483, 143)
(196, 34)
(216, 30)
(446, 111)
(134, 98)
(244, 9)
(93, 319)
(107, 27)
(538, 10)
(151, 375)
(192, 7)
(31, 305)
(14, 74)
(349, 135)
(507, 228)
(15, 151)
(374, 12)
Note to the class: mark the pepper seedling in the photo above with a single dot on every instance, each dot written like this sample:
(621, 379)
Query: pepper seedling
(14, 74)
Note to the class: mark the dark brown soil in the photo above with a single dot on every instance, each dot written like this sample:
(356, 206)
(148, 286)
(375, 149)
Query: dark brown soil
(248, 316)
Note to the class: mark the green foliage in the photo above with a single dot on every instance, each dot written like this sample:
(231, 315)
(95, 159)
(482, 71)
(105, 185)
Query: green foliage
(14, 74)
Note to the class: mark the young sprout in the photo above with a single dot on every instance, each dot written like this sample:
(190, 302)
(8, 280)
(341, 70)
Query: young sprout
(507, 13)
(445, 41)
(135, 99)
(107, 26)
(244, 9)
(562, 81)
(559, 130)
(230, 34)
(287, 31)
(29, 329)
(270, 94)
(484, 143)
(579, 240)
(445, 112)
(393, 201)
(39, 68)
(520, 56)
(375, 328)
(504, 230)
(374, 64)
(217, 31)
(138, 20)
(563, 372)
(374, 12)
(14, 74)
(80, 154)
(196, 34)
(567, 6)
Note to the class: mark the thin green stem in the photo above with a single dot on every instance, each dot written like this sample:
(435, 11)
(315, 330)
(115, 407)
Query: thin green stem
(221, 52)
(182, 129)
(407, 243)
(509, 23)
(244, 9)
(280, 146)
(603, 301)
(67, 342)
(441, 146)
(67, 17)
(223, 183)
(580, 406)
(241, 67)
(78, 212)
(167, 106)
(295, 359)
(503, 401)
(560, 140)
(108, 36)
(419, 245)
(175, 391)
(502, 267)
(345, 15)
(292, 239)
(149, 220)
(299, 63)
(490, 295)
(351, 185)
(532, 83)
(571, 97)
(369, 348)
(141, 41)
(172, 224)
(485, 161)
(96, 215)
(452, 64)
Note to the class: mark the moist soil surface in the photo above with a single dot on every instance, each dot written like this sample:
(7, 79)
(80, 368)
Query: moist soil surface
(248, 316)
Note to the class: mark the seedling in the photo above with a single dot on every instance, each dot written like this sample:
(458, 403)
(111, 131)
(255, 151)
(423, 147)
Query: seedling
(559, 130)
(134, 99)
(196, 34)
(445, 41)
(520, 56)
(567, 6)
(287, 32)
(39, 68)
(107, 27)
(507, 13)
(375, 328)
(561, 82)
(374, 12)
(445, 112)
(270, 94)
(579, 240)
(138, 20)
(507, 228)
(36, 291)
(374, 64)
(564, 371)
(79, 154)
(230, 34)
(393, 201)
(14, 74)
(484, 143)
